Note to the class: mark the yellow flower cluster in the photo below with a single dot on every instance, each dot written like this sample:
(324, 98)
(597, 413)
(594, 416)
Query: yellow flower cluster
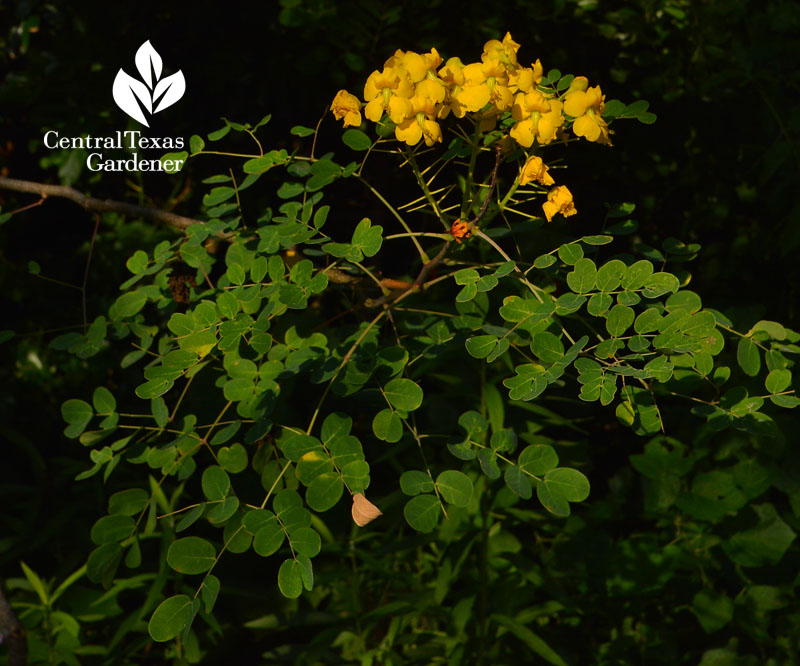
(416, 91)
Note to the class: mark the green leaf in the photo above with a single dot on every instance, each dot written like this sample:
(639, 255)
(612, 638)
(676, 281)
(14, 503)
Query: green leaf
(367, 239)
(387, 426)
(547, 347)
(110, 529)
(228, 304)
(196, 144)
(323, 172)
(233, 459)
(552, 501)
(201, 343)
(519, 482)
(103, 401)
(223, 510)
(764, 544)
(128, 502)
(269, 537)
(546, 260)
(684, 300)
(209, 592)
(582, 278)
(619, 319)
(648, 321)
(530, 639)
(480, 346)
(129, 304)
(217, 195)
(403, 394)
(296, 445)
(773, 329)
(570, 253)
(305, 541)
(300, 130)
(455, 487)
(191, 555)
(225, 434)
(173, 162)
(356, 139)
(356, 475)
(778, 380)
(170, 618)
(422, 512)
(598, 240)
(659, 284)
(599, 304)
(103, 562)
(636, 274)
(264, 163)
(538, 459)
(569, 303)
(218, 134)
(290, 579)
(158, 408)
(713, 610)
(290, 190)
(137, 263)
(324, 492)
(77, 413)
(748, 357)
(516, 309)
(569, 483)
(609, 275)
(216, 483)
(414, 482)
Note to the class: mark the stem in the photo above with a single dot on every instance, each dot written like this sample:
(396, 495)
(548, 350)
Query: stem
(466, 197)
(412, 160)
(344, 362)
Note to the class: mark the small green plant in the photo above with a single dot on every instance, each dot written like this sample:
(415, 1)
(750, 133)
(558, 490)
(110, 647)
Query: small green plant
(281, 370)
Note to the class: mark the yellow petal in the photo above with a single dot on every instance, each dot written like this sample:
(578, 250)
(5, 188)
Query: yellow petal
(550, 209)
(586, 127)
(522, 133)
(474, 98)
(576, 103)
(432, 133)
(430, 88)
(374, 110)
(399, 109)
(408, 131)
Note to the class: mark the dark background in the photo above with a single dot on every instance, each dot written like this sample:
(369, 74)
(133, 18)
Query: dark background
(718, 168)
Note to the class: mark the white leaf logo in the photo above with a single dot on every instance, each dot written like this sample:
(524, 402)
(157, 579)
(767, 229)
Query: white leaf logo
(135, 97)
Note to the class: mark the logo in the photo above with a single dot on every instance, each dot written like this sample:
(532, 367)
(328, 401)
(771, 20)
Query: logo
(152, 94)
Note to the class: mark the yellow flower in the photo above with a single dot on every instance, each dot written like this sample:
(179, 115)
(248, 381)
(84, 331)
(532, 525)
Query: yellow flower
(418, 127)
(537, 118)
(535, 169)
(505, 51)
(408, 62)
(559, 200)
(525, 78)
(388, 91)
(587, 106)
(348, 107)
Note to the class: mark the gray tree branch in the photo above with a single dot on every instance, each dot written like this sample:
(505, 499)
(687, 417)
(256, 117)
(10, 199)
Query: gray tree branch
(96, 205)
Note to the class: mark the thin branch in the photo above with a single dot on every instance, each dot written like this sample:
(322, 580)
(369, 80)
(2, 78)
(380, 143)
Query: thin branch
(97, 205)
